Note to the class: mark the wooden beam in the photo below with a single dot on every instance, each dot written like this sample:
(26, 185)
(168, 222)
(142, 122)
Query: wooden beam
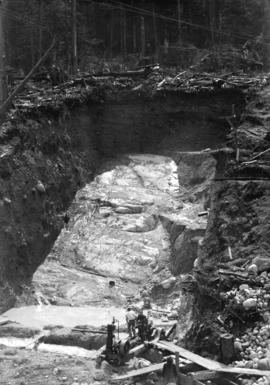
(211, 364)
(139, 372)
(143, 371)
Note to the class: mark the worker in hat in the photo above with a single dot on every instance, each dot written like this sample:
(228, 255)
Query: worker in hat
(131, 322)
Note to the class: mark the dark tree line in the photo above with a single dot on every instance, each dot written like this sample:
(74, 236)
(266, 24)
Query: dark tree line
(108, 29)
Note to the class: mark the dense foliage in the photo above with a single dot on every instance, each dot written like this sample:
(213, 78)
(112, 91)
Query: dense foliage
(126, 28)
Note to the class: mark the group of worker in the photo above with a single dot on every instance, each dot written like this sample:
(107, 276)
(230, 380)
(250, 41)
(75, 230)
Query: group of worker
(146, 331)
(140, 322)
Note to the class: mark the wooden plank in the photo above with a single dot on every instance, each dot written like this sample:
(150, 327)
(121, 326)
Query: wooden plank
(251, 372)
(142, 371)
(211, 364)
(186, 354)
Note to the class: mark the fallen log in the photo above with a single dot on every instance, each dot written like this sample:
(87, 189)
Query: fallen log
(89, 331)
(260, 154)
(234, 273)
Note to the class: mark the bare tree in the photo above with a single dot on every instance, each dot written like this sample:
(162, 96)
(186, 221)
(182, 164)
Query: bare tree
(3, 83)
(143, 47)
(155, 30)
(179, 19)
(40, 30)
(266, 35)
(74, 36)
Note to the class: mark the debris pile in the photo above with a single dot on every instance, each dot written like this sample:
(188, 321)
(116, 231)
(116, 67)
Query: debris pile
(256, 298)
(253, 347)
(96, 87)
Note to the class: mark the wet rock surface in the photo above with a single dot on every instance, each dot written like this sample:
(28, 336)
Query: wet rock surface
(49, 152)
(116, 232)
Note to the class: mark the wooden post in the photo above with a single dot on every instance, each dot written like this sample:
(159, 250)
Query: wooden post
(3, 82)
(142, 37)
(227, 348)
(74, 37)
(177, 363)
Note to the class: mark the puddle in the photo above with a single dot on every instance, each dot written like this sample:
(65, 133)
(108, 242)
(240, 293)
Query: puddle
(68, 350)
(40, 316)
(13, 342)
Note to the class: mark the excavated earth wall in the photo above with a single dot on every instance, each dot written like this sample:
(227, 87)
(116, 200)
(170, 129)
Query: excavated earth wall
(47, 155)
(239, 221)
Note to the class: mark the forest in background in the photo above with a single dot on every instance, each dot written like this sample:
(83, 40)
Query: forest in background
(174, 32)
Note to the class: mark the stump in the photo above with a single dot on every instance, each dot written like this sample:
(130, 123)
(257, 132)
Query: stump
(227, 348)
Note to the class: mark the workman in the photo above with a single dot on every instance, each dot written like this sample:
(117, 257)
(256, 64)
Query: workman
(142, 325)
(169, 372)
(150, 332)
(131, 322)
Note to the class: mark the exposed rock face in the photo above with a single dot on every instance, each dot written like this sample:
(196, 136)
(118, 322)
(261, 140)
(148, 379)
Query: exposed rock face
(48, 154)
(117, 231)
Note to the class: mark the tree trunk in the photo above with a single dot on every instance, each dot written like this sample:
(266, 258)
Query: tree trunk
(40, 31)
(179, 20)
(166, 40)
(32, 47)
(142, 37)
(155, 34)
(74, 37)
(134, 36)
(121, 31)
(266, 35)
(111, 34)
(124, 34)
(212, 19)
(3, 82)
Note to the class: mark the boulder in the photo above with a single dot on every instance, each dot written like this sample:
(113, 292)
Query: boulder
(40, 187)
(68, 337)
(250, 303)
(253, 269)
(143, 224)
(168, 283)
(262, 263)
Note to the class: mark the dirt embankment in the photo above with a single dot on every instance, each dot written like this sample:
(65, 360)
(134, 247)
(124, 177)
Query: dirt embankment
(46, 155)
(238, 225)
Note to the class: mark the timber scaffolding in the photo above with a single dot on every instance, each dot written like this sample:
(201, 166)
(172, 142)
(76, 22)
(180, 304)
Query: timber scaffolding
(188, 374)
